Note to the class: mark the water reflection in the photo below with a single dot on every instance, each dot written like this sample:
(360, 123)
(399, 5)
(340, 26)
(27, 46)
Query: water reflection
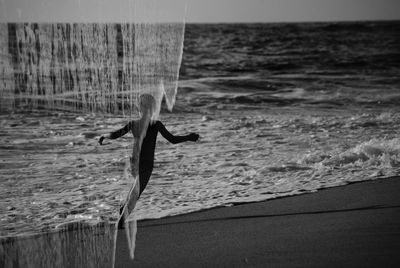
(131, 230)
(125, 244)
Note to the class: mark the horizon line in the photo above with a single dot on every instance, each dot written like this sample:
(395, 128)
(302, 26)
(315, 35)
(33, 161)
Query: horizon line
(221, 22)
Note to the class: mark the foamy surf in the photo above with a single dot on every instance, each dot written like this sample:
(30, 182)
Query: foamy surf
(262, 155)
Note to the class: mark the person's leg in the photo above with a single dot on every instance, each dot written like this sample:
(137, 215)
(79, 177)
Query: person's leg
(130, 203)
(145, 170)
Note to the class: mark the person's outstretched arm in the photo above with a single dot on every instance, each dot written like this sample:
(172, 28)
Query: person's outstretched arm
(175, 139)
(116, 134)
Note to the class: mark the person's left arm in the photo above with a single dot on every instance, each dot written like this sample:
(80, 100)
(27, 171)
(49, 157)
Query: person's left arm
(174, 138)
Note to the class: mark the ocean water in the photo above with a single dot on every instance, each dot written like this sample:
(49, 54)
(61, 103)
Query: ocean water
(282, 109)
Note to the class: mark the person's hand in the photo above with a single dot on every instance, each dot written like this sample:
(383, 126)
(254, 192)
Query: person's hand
(193, 136)
(101, 140)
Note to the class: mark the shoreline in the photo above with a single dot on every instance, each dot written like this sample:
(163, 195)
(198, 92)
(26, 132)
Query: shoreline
(233, 204)
(79, 225)
(357, 224)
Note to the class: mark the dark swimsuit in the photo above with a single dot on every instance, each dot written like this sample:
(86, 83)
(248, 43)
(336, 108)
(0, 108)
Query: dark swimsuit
(146, 160)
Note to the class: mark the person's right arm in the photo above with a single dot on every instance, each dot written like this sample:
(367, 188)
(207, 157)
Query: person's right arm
(116, 134)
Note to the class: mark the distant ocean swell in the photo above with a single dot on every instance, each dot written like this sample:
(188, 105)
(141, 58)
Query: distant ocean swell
(351, 48)
(333, 63)
(286, 91)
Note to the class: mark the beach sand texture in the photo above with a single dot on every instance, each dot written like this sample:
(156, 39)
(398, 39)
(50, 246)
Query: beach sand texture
(357, 225)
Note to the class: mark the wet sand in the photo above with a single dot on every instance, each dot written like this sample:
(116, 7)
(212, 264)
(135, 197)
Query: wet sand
(357, 225)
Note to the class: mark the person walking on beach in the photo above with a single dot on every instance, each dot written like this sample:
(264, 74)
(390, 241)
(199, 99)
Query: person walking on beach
(144, 145)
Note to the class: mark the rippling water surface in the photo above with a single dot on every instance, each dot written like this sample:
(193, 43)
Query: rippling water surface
(282, 109)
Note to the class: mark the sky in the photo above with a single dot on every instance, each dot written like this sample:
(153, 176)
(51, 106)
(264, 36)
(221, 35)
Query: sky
(206, 11)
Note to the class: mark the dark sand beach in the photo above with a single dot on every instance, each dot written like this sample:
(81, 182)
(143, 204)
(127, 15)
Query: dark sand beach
(356, 225)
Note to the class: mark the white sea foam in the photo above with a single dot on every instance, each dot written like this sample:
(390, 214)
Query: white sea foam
(375, 152)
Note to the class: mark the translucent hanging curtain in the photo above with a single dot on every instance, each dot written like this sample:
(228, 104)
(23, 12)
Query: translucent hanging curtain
(96, 67)
(92, 66)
